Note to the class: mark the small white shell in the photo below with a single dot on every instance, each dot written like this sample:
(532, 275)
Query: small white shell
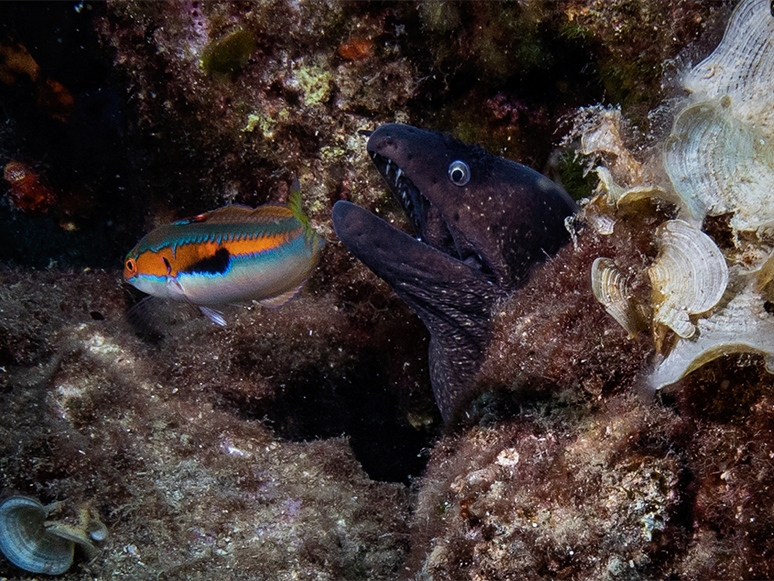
(26, 543)
(720, 156)
(97, 530)
(741, 65)
(604, 138)
(719, 164)
(689, 276)
(743, 325)
(599, 215)
(77, 535)
(613, 291)
(618, 196)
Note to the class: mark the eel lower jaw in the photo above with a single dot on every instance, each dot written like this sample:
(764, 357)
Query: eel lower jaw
(429, 225)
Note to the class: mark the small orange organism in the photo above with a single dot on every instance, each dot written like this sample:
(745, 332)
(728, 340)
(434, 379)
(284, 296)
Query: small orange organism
(16, 62)
(28, 192)
(357, 48)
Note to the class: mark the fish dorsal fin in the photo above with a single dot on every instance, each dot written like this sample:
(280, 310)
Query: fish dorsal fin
(279, 300)
(238, 213)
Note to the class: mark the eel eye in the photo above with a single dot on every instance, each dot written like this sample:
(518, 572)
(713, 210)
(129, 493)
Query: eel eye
(459, 172)
(130, 266)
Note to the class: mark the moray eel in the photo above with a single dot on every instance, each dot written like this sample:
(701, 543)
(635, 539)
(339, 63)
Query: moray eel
(481, 222)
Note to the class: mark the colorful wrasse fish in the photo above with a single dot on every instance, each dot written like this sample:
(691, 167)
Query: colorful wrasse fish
(232, 254)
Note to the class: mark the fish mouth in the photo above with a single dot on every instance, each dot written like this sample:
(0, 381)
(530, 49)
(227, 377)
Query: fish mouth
(429, 224)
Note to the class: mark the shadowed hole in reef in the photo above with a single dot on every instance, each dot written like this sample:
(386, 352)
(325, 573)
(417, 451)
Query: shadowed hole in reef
(356, 401)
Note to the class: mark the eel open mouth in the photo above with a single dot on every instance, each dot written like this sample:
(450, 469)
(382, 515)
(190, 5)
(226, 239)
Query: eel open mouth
(429, 224)
(412, 201)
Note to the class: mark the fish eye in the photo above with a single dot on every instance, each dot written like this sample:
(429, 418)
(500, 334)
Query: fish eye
(130, 265)
(459, 172)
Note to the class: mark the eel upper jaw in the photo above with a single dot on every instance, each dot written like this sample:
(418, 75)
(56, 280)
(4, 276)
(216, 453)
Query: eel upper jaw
(430, 225)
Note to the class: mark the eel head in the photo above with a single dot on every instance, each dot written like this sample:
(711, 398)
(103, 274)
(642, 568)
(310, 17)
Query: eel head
(480, 222)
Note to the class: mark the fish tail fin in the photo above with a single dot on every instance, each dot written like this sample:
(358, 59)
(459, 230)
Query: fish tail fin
(294, 204)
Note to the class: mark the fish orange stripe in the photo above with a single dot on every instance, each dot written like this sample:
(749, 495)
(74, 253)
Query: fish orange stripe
(188, 254)
(258, 243)
(152, 263)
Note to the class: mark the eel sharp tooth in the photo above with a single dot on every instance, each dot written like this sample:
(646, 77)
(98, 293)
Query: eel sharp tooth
(397, 176)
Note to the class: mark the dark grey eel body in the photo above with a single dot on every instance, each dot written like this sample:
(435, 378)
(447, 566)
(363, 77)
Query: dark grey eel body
(481, 222)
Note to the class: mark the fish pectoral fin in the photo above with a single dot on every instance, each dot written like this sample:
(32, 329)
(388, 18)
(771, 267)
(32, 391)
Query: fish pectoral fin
(281, 299)
(213, 315)
(175, 290)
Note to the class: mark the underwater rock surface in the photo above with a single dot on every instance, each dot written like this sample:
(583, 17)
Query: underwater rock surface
(557, 495)
(184, 485)
(303, 442)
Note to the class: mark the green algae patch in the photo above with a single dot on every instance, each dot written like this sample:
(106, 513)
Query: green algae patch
(330, 153)
(578, 182)
(229, 54)
(264, 124)
(315, 82)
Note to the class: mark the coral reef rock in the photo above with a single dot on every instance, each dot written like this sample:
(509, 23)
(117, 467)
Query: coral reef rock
(289, 444)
